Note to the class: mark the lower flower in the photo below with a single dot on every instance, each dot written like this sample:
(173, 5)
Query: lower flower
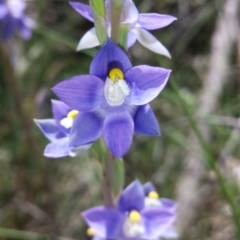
(130, 219)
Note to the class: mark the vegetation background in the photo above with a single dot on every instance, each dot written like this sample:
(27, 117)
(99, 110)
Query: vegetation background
(46, 196)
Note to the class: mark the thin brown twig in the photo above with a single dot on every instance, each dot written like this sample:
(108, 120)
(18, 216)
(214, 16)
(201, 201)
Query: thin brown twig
(13, 87)
(107, 182)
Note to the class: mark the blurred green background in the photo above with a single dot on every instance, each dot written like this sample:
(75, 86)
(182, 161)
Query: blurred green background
(46, 196)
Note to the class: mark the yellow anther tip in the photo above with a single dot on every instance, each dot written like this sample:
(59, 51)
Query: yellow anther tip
(90, 232)
(153, 195)
(116, 74)
(72, 114)
(134, 216)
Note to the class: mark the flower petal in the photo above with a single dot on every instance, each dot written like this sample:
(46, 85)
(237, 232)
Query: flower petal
(83, 9)
(105, 222)
(145, 121)
(151, 21)
(8, 26)
(170, 233)
(3, 10)
(60, 111)
(150, 42)
(132, 198)
(118, 130)
(149, 187)
(83, 93)
(89, 40)
(168, 204)
(86, 128)
(109, 56)
(79, 150)
(145, 83)
(49, 128)
(57, 149)
(131, 39)
(156, 222)
(24, 30)
(129, 14)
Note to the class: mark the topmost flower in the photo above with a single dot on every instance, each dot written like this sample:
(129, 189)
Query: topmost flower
(138, 25)
(12, 17)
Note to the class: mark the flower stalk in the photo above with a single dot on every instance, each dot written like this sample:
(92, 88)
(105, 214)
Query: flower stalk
(107, 181)
(115, 19)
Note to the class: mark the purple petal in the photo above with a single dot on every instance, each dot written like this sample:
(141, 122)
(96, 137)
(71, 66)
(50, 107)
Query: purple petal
(149, 187)
(131, 39)
(79, 150)
(145, 83)
(24, 30)
(118, 130)
(149, 41)
(60, 111)
(3, 10)
(145, 121)
(83, 9)
(8, 26)
(129, 14)
(83, 93)
(168, 204)
(132, 198)
(109, 56)
(156, 221)
(49, 128)
(16, 7)
(86, 128)
(57, 149)
(151, 21)
(105, 222)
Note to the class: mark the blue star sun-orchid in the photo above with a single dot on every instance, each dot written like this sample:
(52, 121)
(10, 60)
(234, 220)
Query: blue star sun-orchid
(12, 18)
(113, 100)
(57, 131)
(130, 219)
(138, 24)
(152, 200)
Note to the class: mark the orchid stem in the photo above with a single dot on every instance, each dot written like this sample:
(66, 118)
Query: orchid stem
(107, 184)
(115, 21)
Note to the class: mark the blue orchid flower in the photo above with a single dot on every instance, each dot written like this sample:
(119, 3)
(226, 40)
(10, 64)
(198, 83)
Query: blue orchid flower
(130, 219)
(57, 130)
(12, 18)
(113, 100)
(152, 200)
(138, 25)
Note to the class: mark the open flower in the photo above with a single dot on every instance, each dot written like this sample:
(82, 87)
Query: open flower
(152, 200)
(130, 219)
(57, 131)
(113, 100)
(138, 25)
(12, 18)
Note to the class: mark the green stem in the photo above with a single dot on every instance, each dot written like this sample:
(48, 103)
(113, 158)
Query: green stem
(98, 8)
(115, 19)
(210, 160)
(25, 235)
(123, 31)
